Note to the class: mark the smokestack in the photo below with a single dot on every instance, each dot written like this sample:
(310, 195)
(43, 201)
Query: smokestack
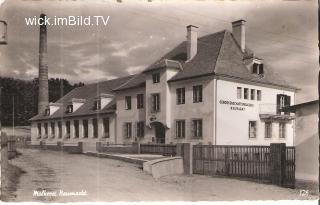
(239, 33)
(192, 41)
(43, 97)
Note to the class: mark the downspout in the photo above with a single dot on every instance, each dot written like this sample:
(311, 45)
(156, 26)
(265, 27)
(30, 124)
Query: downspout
(215, 111)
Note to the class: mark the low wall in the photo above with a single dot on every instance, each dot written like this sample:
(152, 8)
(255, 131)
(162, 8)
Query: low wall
(122, 149)
(72, 148)
(164, 166)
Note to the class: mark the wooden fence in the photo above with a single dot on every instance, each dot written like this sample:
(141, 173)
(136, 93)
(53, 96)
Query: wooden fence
(242, 161)
(162, 149)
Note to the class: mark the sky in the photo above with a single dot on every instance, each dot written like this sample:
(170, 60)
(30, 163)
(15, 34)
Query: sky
(283, 33)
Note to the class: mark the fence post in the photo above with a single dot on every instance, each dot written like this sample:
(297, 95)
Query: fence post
(278, 160)
(185, 151)
(80, 145)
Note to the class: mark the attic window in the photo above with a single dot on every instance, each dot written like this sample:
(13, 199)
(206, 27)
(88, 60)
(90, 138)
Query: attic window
(47, 112)
(97, 105)
(257, 68)
(69, 108)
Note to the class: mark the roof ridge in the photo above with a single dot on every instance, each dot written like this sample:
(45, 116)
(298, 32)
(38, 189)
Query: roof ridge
(134, 76)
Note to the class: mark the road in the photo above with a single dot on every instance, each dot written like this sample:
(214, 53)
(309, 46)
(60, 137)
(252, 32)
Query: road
(111, 180)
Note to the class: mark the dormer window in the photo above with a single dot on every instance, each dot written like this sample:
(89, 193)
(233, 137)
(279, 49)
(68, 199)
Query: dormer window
(69, 108)
(257, 69)
(156, 77)
(97, 104)
(47, 112)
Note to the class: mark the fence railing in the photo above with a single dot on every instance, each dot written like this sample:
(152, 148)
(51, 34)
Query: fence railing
(162, 149)
(242, 161)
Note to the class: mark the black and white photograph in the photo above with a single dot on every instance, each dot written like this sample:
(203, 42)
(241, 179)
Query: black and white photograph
(158, 100)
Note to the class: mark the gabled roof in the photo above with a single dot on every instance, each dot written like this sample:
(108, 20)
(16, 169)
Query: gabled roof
(88, 92)
(218, 54)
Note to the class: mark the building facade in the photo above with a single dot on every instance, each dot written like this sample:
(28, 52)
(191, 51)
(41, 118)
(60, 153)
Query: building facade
(210, 90)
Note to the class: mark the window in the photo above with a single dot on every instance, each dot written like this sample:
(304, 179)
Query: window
(76, 128)
(47, 112)
(257, 68)
(252, 129)
(60, 129)
(156, 78)
(239, 92)
(180, 96)
(85, 128)
(69, 108)
(268, 130)
(196, 128)
(95, 127)
(155, 102)
(282, 130)
(106, 127)
(180, 128)
(46, 129)
(128, 102)
(97, 104)
(197, 93)
(253, 94)
(39, 130)
(283, 102)
(259, 95)
(127, 130)
(140, 129)
(53, 131)
(246, 93)
(68, 129)
(139, 101)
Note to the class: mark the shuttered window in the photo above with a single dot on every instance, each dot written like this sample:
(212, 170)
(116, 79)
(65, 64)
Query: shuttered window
(156, 78)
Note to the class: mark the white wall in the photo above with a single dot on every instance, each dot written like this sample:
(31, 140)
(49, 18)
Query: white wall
(232, 125)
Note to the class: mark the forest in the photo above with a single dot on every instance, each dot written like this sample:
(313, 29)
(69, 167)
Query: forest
(19, 98)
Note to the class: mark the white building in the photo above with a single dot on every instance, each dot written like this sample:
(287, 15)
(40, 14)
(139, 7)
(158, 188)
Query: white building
(211, 89)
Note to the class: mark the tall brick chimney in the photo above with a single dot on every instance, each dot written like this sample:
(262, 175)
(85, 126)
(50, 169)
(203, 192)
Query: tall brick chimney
(192, 41)
(239, 33)
(43, 97)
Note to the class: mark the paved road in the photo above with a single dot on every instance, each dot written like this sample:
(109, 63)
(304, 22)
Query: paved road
(111, 180)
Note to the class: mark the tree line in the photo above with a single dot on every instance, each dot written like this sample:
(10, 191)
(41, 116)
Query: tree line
(19, 98)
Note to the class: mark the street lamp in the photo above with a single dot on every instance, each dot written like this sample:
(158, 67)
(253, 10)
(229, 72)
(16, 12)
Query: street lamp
(3, 41)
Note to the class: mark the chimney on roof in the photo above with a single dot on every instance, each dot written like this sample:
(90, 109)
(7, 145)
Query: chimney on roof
(192, 41)
(43, 96)
(239, 33)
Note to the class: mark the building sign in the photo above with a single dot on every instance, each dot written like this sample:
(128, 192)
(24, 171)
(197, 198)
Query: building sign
(236, 105)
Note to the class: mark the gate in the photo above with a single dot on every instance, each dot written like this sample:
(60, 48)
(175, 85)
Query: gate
(253, 162)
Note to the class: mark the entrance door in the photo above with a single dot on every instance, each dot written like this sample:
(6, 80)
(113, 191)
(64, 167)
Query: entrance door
(160, 133)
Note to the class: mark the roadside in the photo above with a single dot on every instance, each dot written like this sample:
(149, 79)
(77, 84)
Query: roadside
(111, 180)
